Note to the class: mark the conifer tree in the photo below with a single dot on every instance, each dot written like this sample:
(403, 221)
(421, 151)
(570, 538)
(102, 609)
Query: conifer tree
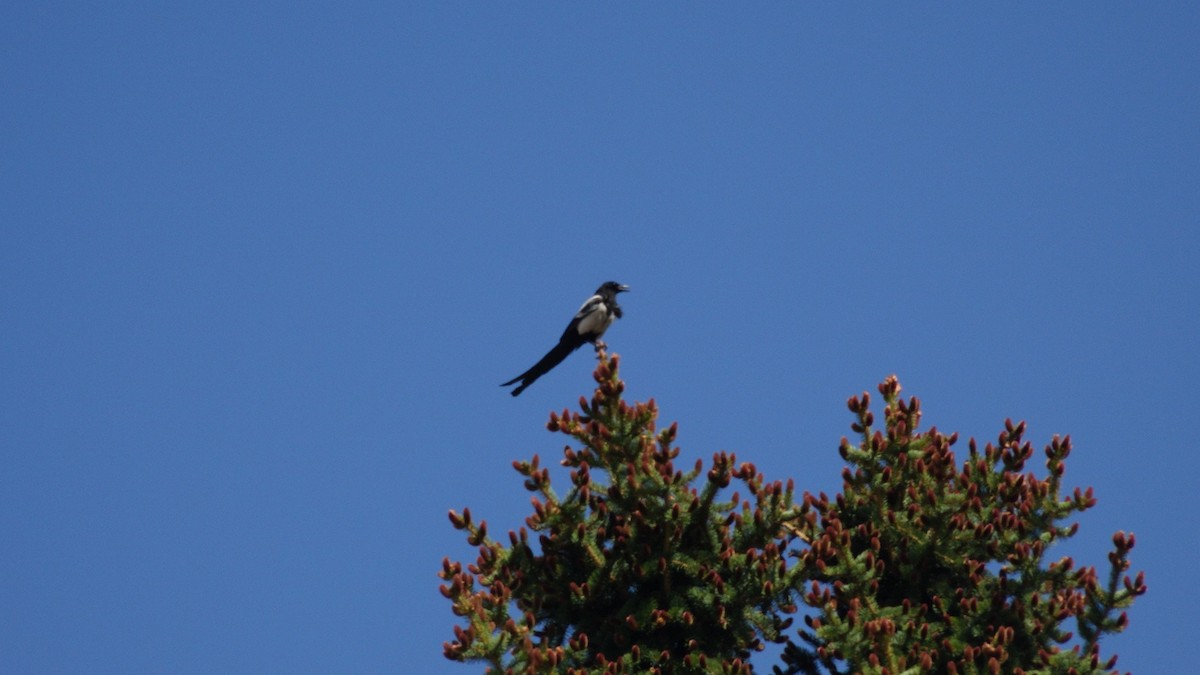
(920, 565)
(923, 565)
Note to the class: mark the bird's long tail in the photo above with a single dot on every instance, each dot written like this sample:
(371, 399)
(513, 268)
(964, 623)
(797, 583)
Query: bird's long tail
(552, 358)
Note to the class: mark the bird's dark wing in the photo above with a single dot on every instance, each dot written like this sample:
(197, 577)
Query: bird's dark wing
(589, 323)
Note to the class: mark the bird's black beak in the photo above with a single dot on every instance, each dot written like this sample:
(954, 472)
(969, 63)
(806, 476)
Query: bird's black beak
(622, 288)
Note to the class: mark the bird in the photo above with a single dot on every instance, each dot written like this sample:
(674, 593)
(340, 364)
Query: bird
(593, 318)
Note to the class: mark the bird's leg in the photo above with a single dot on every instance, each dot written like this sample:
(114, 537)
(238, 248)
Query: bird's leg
(599, 345)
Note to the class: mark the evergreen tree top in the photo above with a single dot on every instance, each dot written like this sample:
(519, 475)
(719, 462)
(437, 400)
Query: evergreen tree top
(921, 564)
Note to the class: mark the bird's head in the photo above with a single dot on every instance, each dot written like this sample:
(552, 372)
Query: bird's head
(612, 287)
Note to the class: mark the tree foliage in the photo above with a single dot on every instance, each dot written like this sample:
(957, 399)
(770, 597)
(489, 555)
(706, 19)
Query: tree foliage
(920, 565)
(924, 563)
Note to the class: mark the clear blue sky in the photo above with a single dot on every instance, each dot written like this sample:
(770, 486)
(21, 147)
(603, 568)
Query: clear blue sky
(263, 266)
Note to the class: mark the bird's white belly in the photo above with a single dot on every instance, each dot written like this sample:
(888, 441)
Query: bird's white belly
(595, 323)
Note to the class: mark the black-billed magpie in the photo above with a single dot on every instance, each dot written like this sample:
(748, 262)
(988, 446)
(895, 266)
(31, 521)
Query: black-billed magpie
(590, 322)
